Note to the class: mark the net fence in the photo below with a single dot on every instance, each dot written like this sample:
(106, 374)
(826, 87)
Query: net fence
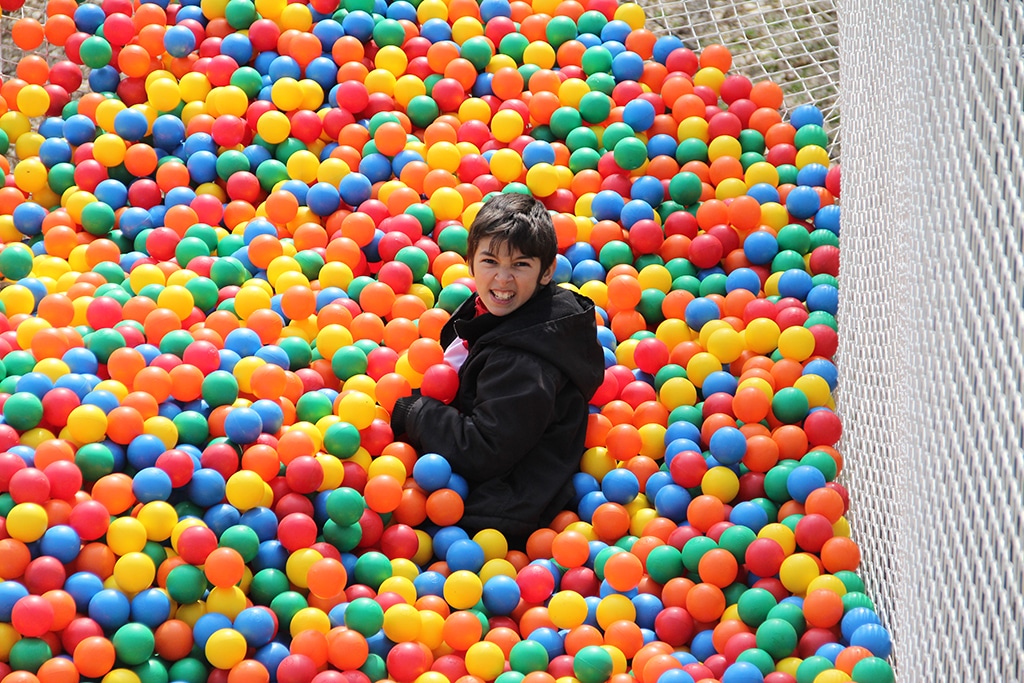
(932, 286)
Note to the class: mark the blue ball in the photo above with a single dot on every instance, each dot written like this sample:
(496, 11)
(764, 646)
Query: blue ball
(764, 193)
(243, 341)
(34, 383)
(664, 46)
(238, 47)
(538, 152)
(760, 247)
(742, 672)
(823, 298)
(431, 472)
(802, 480)
(62, 542)
(589, 504)
(207, 625)
(243, 425)
(465, 554)
(179, 41)
(112, 193)
(53, 151)
(110, 609)
(143, 451)
(827, 218)
(221, 517)
(743, 278)
(803, 202)
(627, 66)
(284, 67)
(825, 369)
(131, 124)
(501, 594)
(261, 520)
(638, 114)
(660, 145)
(675, 676)
(270, 414)
(636, 210)
(358, 24)
(151, 607)
(616, 30)
(489, 9)
(551, 639)
(672, 502)
(806, 114)
(607, 205)
(323, 199)
(813, 175)
(436, 30)
(356, 188)
(620, 486)
(151, 484)
(80, 129)
(750, 515)
(702, 645)
(587, 270)
(81, 586)
(701, 311)
(257, 625)
(270, 555)
(649, 190)
(206, 487)
(10, 593)
(795, 283)
(728, 445)
(579, 252)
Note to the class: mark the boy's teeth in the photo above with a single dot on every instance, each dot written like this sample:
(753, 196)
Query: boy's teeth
(502, 296)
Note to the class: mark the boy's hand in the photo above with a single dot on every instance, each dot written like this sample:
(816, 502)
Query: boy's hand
(401, 412)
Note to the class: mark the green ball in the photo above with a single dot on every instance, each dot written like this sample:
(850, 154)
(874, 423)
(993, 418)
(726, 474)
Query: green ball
(591, 21)
(286, 149)
(477, 50)
(754, 605)
(6, 504)
(791, 614)
(713, 284)
(775, 481)
(134, 643)
(565, 120)
(454, 238)
(230, 163)
(188, 670)
(788, 260)
(270, 173)
(344, 538)
(602, 83)
(795, 238)
(736, 539)
(751, 141)
(95, 52)
(509, 677)
(300, 355)
(650, 306)
(679, 267)
(691, 149)
(694, 551)
(242, 539)
(790, 405)
(855, 599)
(228, 271)
(313, 406)
(95, 460)
(616, 132)
(630, 153)
(823, 462)
(581, 138)
(365, 616)
(374, 667)
(267, 584)
(192, 427)
(23, 411)
(821, 237)
(220, 388)
(686, 188)
(152, 671)
(748, 159)
(287, 605)
(821, 318)
(204, 292)
(425, 215)
(584, 159)
(514, 45)
(453, 296)
(776, 637)
(104, 342)
(416, 259)
(787, 174)
(602, 558)
(16, 259)
(355, 288)
(592, 664)
(345, 506)
(175, 342)
(349, 361)
(388, 32)
(19, 363)
(228, 245)
(186, 584)
(759, 658)
(852, 582)
(810, 134)
(28, 654)
(664, 563)
(372, 569)
(60, 177)
(528, 656)
(596, 59)
(615, 253)
(249, 80)
(559, 30)
(691, 414)
(874, 670)
(240, 14)
(115, 292)
(811, 667)
(5, 145)
(667, 372)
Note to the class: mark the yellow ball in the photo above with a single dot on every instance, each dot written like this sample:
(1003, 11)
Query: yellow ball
(678, 391)
(485, 660)
(596, 462)
(506, 165)
(781, 534)
(274, 127)
(402, 623)
(710, 77)
(539, 53)
(724, 146)
(87, 424)
(615, 607)
(444, 156)
(126, 535)
(159, 518)
(701, 365)
(761, 172)
(225, 648)
(391, 58)
(693, 127)
(244, 489)
(30, 175)
(796, 343)
(507, 125)
(357, 409)
(27, 522)
(134, 572)
(726, 344)
(722, 483)
(310, 619)
(298, 564)
(33, 100)
(762, 335)
(815, 388)
(542, 179)
(463, 589)
(567, 609)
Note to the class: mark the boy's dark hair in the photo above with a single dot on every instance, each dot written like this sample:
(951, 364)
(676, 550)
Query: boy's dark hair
(517, 222)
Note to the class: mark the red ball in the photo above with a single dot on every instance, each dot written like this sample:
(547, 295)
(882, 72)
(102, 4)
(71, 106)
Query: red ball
(825, 259)
(449, 94)
(32, 616)
(706, 251)
(196, 543)
(764, 557)
(399, 540)
(372, 527)
(823, 428)
(29, 485)
(812, 531)
(304, 474)
(89, 519)
(440, 382)
(674, 625)
(296, 531)
(688, 469)
(296, 668)
(646, 237)
(535, 583)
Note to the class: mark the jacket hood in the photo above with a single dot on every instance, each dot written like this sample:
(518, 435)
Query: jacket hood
(557, 325)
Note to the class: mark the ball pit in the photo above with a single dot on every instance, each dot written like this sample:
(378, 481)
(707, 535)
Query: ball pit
(230, 255)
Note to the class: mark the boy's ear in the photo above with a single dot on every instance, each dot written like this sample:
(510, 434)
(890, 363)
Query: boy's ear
(546, 276)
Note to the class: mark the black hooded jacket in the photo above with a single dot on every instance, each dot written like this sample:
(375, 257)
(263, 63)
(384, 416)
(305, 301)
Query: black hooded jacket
(516, 429)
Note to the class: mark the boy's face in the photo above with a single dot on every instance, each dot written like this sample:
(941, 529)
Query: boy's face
(506, 280)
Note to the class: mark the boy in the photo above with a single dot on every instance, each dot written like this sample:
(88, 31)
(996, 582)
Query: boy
(528, 360)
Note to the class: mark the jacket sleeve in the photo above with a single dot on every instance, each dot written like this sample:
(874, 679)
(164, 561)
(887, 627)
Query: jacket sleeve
(515, 402)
